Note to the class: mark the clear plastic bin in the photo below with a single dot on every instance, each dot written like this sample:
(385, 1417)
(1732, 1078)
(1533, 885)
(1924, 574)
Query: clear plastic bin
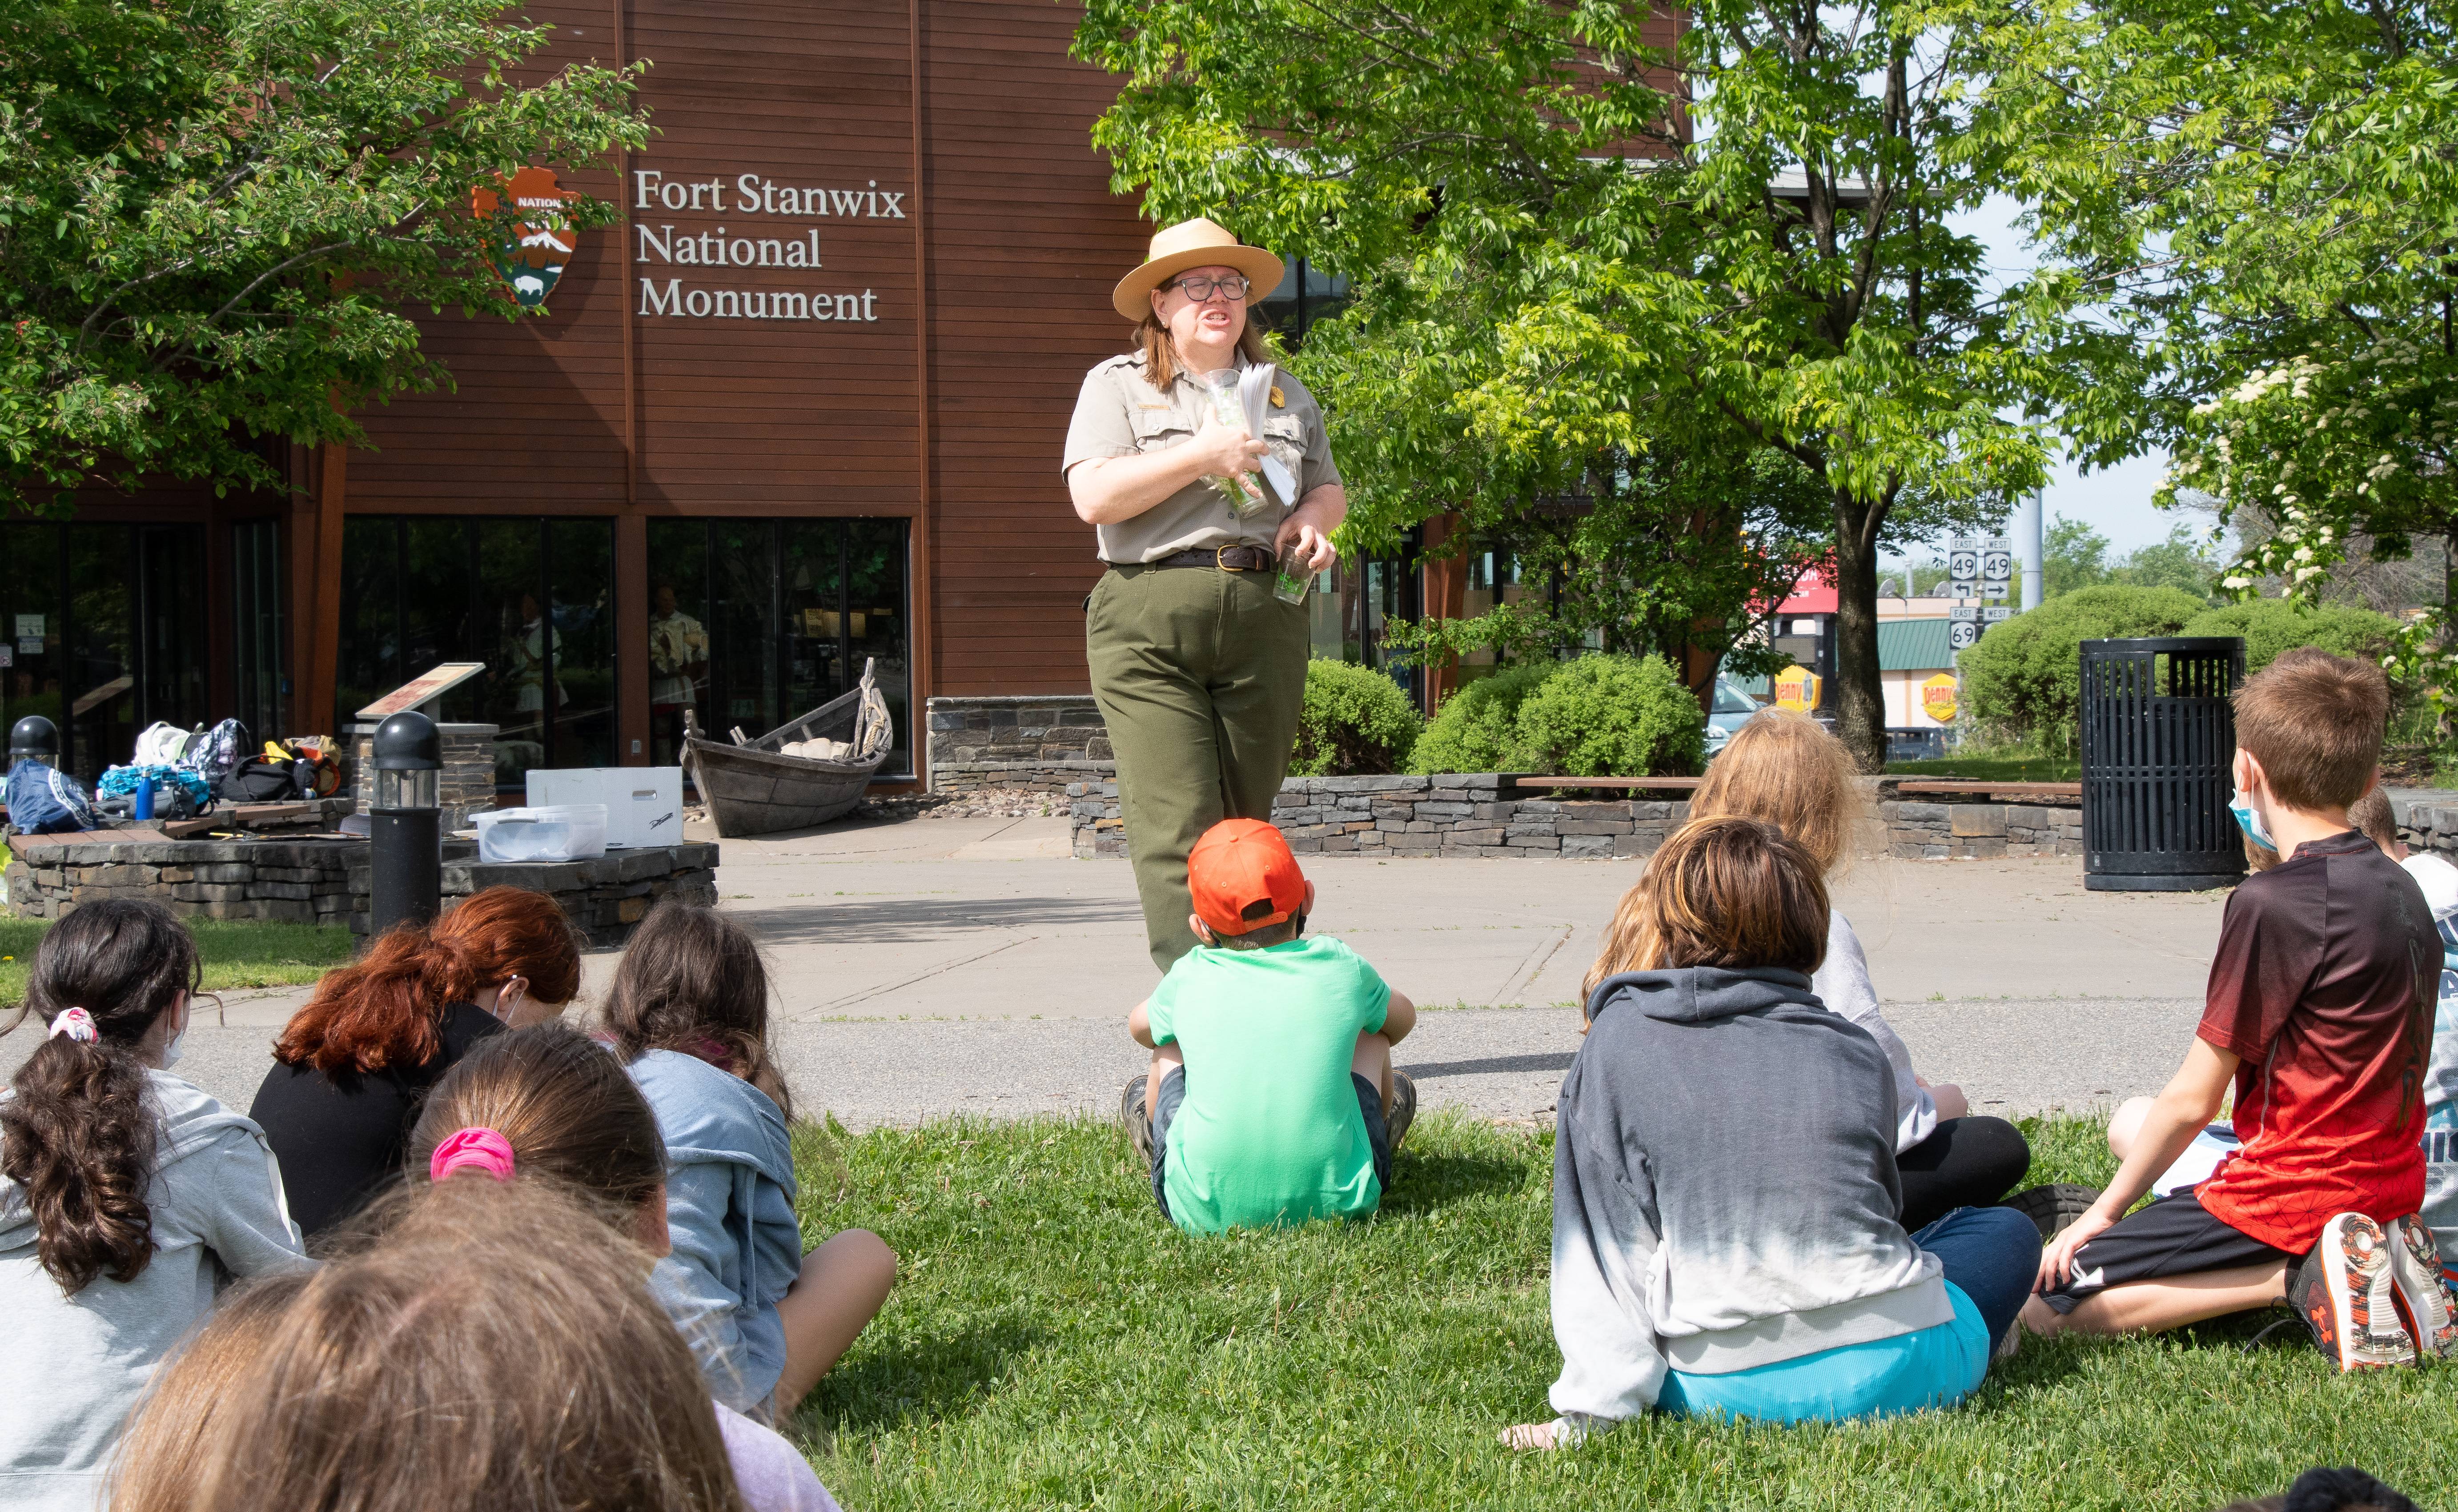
(568, 832)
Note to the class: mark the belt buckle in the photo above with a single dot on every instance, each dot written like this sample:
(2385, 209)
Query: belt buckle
(1220, 559)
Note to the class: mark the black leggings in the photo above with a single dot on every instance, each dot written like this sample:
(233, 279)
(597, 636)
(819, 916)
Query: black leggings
(1964, 1163)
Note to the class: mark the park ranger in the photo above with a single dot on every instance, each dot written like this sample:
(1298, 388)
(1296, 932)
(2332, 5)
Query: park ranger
(1199, 669)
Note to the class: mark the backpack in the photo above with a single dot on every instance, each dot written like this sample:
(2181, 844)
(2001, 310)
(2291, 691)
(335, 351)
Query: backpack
(217, 753)
(161, 745)
(45, 800)
(258, 780)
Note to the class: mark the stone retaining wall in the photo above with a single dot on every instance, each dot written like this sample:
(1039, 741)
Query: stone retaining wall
(1040, 742)
(2430, 827)
(305, 881)
(1487, 813)
(604, 896)
(326, 882)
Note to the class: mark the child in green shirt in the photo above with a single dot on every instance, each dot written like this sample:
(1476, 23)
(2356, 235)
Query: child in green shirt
(1271, 1098)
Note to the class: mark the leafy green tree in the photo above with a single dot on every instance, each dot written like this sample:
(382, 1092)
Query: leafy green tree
(2072, 555)
(1553, 267)
(213, 214)
(2184, 561)
(1669, 551)
(2266, 199)
(2023, 680)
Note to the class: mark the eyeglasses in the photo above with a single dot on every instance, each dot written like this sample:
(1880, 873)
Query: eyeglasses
(1200, 289)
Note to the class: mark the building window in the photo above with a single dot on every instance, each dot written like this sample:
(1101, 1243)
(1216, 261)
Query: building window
(1305, 294)
(755, 622)
(260, 684)
(106, 633)
(531, 598)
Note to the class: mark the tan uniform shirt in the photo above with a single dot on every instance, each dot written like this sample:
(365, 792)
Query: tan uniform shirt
(1120, 415)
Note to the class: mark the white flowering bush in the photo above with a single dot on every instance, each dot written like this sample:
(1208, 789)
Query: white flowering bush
(2330, 448)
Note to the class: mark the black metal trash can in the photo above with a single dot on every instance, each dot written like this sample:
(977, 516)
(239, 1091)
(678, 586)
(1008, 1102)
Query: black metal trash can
(2159, 734)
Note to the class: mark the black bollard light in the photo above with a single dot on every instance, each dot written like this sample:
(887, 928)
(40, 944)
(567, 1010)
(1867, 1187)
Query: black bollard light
(405, 828)
(35, 739)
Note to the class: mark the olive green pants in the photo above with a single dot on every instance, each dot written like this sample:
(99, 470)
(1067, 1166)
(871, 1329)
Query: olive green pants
(1200, 675)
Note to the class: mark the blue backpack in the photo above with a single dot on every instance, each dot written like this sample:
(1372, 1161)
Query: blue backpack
(45, 800)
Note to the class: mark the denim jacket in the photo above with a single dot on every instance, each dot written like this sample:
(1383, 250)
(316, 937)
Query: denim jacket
(730, 1208)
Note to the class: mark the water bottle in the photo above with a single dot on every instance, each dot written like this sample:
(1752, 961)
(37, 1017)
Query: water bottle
(145, 797)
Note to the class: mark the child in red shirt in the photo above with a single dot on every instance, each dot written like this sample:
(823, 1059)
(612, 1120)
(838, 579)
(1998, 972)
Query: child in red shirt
(2317, 1013)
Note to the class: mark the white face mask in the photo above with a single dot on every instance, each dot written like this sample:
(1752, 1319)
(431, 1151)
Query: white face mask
(2249, 820)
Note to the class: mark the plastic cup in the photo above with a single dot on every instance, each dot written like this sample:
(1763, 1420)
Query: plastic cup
(1242, 493)
(1291, 579)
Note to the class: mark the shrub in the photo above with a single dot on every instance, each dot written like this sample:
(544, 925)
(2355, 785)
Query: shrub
(1478, 727)
(1612, 717)
(2272, 625)
(1357, 722)
(2024, 679)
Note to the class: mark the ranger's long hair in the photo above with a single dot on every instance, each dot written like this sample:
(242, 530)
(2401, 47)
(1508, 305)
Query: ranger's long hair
(1721, 892)
(79, 1134)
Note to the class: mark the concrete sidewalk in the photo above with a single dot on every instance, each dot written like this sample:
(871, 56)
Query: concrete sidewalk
(973, 967)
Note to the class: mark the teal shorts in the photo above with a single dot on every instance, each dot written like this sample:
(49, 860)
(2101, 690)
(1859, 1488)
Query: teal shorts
(1934, 1367)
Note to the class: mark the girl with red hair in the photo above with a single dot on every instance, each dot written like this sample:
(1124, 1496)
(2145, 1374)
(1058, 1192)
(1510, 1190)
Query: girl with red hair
(356, 1061)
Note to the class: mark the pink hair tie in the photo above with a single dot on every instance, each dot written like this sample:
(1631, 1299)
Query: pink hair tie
(77, 1024)
(473, 1150)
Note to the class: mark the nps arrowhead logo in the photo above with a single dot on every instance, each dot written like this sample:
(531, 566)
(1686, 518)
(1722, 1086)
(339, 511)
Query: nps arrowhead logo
(532, 243)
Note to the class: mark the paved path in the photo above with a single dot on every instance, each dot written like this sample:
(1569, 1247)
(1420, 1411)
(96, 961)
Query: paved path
(972, 967)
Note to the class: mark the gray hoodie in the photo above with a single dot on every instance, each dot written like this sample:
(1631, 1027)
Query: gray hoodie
(74, 1366)
(1724, 1189)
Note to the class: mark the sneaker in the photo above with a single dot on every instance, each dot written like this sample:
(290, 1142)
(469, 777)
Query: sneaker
(2423, 1292)
(1402, 1111)
(2053, 1209)
(2342, 1290)
(1132, 1114)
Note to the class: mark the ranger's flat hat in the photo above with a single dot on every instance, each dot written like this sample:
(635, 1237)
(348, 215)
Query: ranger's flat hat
(1197, 244)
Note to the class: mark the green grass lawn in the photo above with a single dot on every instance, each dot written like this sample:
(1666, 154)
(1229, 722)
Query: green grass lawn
(2012, 767)
(237, 952)
(1053, 1342)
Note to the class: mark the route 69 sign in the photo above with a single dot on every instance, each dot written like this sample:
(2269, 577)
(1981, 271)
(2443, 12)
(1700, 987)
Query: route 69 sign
(1962, 635)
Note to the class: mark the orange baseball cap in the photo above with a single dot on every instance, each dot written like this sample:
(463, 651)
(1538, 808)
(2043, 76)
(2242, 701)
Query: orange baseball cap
(1243, 876)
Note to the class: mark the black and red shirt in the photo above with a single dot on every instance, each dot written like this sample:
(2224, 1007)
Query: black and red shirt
(2322, 962)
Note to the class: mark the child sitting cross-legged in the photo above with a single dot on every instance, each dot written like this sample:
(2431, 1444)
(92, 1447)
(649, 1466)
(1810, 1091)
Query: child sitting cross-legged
(1727, 1231)
(2318, 1016)
(1271, 1098)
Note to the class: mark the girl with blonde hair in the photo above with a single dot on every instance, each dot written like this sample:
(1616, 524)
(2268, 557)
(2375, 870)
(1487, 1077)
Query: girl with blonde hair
(1785, 769)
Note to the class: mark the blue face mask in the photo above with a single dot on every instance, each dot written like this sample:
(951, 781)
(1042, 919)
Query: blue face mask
(2247, 820)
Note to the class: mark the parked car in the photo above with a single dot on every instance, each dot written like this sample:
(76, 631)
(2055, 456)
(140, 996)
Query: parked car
(1732, 710)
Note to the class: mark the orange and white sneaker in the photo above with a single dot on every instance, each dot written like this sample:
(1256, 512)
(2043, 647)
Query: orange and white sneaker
(2422, 1291)
(2344, 1293)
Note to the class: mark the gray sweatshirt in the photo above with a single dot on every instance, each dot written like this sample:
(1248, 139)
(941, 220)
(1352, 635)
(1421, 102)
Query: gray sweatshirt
(1724, 1189)
(1843, 985)
(74, 1366)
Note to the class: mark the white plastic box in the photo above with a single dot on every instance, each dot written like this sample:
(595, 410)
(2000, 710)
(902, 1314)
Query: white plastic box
(564, 833)
(644, 805)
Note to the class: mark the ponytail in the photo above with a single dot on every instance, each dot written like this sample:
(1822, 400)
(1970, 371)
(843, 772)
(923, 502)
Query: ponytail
(388, 1008)
(78, 1137)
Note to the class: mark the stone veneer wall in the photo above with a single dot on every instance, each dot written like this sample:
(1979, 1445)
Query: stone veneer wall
(604, 896)
(1486, 814)
(2434, 827)
(326, 882)
(1042, 742)
(305, 881)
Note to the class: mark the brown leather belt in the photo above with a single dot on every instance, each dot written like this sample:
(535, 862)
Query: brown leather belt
(1227, 558)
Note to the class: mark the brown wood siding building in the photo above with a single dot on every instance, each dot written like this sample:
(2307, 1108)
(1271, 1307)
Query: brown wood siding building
(932, 158)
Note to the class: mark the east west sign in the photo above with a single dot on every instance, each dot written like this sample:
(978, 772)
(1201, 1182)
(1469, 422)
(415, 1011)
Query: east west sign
(750, 221)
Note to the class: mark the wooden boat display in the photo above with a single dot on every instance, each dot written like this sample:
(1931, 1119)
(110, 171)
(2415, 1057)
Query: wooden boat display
(760, 787)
